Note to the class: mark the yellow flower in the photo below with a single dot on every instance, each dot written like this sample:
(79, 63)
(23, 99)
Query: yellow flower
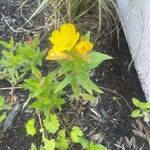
(83, 48)
(56, 55)
(65, 38)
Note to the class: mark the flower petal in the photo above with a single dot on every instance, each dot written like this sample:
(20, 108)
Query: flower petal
(65, 39)
(84, 47)
(52, 55)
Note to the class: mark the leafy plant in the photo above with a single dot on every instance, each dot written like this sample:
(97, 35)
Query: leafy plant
(4, 108)
(76, 60)
(18, 59)
(42, 90)
(143, 110)
(61, 141)
(30, 127)
(51, 123)
(76, 134)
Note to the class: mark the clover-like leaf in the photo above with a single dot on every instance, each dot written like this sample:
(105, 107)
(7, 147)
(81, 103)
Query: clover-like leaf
(52, 123)
(75, 134)
(30, 127)
(49, 144)
(62, 141)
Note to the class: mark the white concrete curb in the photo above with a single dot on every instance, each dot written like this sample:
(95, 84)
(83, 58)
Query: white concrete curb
(135, 18)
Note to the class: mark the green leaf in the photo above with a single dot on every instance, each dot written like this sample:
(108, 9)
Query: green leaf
(33, 147)
(30, 127)
(3, 105)
(31, 56)
(76, 133)
(11, 60)
(36, 72)
(6, 44)
(35, 41)
(84, 80)
(62, 141)
(63, 84)
(50, 78)
(136, 102)
(76, 89)
(97, 58)
(12, 42)
(86, 36)
(146, 105)
(95, 87)
(88, 97)
(2, 117)
(34, 86)
(49, 144)
(41, 147)
(136, 113)
(2, 101)
(96, 146)
(52, 123)
(65, 67)
(84, 142)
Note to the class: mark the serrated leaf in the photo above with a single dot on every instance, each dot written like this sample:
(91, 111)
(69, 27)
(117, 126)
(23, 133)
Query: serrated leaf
(75, 134)
(63, 84)
(50, 78)
(34, 86)
(96, 58)
(62, 141)
(35, 41)
(6, 44)
(65, 67)
(49, 144)
(52, 123)
(136, 113)
(36, 72)
(30, 127)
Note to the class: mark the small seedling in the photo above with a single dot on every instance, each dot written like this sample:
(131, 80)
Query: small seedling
(142, 111)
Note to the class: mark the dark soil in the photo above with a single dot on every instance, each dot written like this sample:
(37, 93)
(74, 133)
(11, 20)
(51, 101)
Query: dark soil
(108, 121)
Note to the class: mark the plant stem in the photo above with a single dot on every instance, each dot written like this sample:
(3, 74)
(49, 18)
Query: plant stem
(10, 88)
(42, 129)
